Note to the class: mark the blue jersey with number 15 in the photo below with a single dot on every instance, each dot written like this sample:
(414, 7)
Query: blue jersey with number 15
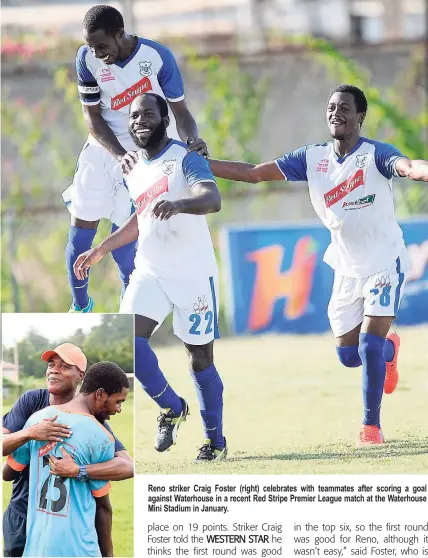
(61, 512)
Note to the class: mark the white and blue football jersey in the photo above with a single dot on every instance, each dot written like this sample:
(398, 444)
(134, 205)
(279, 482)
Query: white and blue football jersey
(180, 247)
(352, 196)
(151, 67)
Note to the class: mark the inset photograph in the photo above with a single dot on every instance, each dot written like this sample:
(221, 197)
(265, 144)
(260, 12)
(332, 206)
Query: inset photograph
(68, 435)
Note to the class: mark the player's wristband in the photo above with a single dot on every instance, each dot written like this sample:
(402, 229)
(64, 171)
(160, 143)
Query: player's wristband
(83, 474)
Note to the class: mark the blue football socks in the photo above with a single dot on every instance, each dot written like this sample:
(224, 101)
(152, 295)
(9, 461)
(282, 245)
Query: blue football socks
(209, 389)
(153, 381)
(371, 350)
(79, 240)
(349, 356)
(124, 257)
(388, 350)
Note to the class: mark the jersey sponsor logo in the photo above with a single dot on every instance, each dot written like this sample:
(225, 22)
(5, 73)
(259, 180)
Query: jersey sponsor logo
(126, 98)
(361, 160)
(322, 166)
(343, 189)
(106, 75)
(157, 189)
(145, 68)
(46, 448)
(358, 204)
(168, 166)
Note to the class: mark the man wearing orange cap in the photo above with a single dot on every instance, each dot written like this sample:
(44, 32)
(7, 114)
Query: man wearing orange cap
(66, 366)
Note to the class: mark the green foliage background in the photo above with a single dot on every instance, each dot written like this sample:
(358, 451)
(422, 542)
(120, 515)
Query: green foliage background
(111, 340)
(35, 227)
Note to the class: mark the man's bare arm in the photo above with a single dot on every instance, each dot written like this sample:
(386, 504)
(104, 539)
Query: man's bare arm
(45, 430)
(205, 199)
(119, 468)
(103, 524)
(246, 172)
(101, 131)
(126, 234)
(186, 124)
(415, 170)
(9, 474)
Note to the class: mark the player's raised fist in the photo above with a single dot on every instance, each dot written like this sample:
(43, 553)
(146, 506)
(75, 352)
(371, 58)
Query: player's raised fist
(85, 260)
(198, 145)
(128, 161)
(165, 209)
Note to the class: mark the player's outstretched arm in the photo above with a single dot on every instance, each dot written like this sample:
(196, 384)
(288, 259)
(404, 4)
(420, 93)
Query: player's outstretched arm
(103, 524)
(101, 131)
(119, 468)
(415, 170)
(126, 234)
(246, 172)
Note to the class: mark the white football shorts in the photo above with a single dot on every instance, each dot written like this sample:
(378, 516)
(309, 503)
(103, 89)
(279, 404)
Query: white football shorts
(98, 190)
(377, 295)
(193, 302)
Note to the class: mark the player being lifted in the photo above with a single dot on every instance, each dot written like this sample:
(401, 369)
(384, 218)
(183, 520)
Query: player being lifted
(175, 269)
(112, 69)
(61, 511)
(350, 186)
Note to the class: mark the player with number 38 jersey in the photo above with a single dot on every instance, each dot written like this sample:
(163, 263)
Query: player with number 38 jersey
(61, 511)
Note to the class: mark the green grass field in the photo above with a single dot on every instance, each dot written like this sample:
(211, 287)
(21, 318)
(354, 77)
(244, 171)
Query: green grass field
(290, 407)
(122, 493)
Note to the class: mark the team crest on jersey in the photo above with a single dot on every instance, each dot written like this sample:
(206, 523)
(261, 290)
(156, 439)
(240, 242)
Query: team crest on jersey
(168, 166)
(145, 68)
(361, 160)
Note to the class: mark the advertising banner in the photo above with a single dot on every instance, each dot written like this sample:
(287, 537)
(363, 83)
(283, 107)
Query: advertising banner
(276, 279)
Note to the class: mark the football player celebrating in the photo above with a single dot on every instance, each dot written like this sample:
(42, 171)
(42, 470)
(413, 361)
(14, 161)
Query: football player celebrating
(114, 67)
(350, 186)
(175, 269)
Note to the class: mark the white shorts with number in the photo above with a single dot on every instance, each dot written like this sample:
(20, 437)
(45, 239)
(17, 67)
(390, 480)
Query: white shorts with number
(193, 302)
(377, 295)
(98, 190)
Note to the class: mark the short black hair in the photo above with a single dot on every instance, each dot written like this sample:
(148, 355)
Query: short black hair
(359, 96)
(162, 104)
(106, 375)
(103, 17)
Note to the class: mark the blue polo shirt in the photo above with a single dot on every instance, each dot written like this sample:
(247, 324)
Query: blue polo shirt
(29, 403)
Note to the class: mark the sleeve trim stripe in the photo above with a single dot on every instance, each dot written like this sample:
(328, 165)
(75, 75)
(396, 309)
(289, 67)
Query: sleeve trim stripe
(176, 100)
(14, 464)
(396, 175)
(102, 491)
(87, 83)
(282, 172)
(202, 180)
(89, 103)
(88, 89)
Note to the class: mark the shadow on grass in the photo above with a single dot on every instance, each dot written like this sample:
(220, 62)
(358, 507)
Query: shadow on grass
(393, 448)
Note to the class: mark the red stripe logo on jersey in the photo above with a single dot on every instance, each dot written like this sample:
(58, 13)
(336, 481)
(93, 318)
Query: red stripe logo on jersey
(47, 448)
(126, 97)
(158, 188)
(343, 189)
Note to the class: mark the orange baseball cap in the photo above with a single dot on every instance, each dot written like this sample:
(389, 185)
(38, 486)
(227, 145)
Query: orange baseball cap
(71, 354)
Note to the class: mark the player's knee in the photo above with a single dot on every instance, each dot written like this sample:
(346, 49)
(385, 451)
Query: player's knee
(349, 356)
(200, 358)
